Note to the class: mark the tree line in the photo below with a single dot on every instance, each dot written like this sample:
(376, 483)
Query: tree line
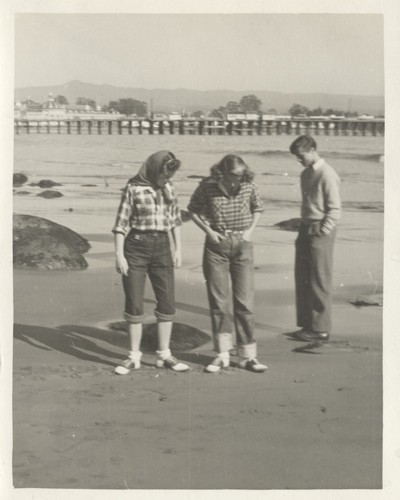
(247, 104)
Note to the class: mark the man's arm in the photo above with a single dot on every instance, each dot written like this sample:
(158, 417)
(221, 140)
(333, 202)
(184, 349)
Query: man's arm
(332, 202)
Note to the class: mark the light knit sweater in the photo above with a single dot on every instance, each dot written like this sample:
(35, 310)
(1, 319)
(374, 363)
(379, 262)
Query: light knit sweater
(320, 187)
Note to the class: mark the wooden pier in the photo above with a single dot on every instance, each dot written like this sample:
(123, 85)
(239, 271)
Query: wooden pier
(293, 126)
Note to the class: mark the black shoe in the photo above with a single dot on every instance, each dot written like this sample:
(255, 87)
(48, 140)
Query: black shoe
(252, 365)
(312, 336)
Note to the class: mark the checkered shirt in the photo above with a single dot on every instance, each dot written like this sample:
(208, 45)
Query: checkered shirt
(138, 210)
(225, 212)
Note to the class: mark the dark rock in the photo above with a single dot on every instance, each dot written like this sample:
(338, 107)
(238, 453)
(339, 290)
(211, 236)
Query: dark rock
(196, 176)
(46, 183)
(22, 193)
(19, 179)
(370, 207)
(368, 300)
(290, 224)
(50, 194)
(43, 244)
(183, 337)
(185, 216)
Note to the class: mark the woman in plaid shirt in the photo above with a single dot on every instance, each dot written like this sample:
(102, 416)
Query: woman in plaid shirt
(227, 207)
(147, 215)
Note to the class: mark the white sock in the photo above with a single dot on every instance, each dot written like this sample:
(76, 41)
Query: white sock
(135, 355)
(164, 354)
(223, 355)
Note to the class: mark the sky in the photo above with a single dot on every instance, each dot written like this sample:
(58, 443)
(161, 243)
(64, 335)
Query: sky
(333, 53)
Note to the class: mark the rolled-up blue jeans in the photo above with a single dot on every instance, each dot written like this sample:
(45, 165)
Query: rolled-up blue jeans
(148, 254)
(226, 262)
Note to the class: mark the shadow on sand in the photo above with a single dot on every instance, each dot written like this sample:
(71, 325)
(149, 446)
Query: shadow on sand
(84, 342)
(77, 341)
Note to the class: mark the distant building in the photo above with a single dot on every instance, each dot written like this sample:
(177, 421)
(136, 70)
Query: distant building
(174, 115)
(52, 110)
(231, 117)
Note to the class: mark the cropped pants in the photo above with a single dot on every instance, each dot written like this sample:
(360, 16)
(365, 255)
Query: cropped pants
(148, 254)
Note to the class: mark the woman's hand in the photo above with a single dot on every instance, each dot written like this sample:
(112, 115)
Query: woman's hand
(214, 236)
(247, 234)
(177, 258)
(121, 264)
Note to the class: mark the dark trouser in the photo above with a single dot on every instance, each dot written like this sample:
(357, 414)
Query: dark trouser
(313, 277)
(148, 253)
(230, 260)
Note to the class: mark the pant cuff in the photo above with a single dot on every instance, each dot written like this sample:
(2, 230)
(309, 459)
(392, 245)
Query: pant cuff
(164, 317)
(223, 342)
(248, 351)
(130, 318)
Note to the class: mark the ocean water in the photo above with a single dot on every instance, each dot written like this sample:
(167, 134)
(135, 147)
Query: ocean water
(93, 169)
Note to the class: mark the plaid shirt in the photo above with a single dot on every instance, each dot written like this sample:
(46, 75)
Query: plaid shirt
(224, 212)
(138, 210)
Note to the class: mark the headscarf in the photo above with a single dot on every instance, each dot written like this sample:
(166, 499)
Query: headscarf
(151, 170)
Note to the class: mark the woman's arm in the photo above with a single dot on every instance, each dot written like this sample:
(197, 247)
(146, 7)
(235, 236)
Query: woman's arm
(248, 232)
(213, 235)
(120, 261)
(121, 228)
(176, 235)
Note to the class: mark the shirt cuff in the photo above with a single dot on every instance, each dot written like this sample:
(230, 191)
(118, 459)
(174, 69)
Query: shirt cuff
(119, 230)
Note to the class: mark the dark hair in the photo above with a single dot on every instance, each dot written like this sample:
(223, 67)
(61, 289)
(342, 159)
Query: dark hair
(228, 164)
(171, 163)
(303, 143)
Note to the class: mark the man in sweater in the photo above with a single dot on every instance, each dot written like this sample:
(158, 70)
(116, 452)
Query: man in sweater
(320, 213)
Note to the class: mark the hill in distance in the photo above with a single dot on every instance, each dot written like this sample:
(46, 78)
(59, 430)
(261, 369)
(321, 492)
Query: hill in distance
(166, 100)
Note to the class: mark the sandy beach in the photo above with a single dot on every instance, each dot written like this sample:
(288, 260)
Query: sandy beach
(313, 420)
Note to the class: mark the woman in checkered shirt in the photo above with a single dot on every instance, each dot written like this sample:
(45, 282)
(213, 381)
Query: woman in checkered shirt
(227, 207)
(147, 216)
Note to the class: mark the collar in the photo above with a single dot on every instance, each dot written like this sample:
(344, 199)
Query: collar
(140, 189)
(225, 191)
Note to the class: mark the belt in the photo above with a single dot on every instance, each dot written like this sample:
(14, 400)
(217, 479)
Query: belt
(232, 232)
(149, 232)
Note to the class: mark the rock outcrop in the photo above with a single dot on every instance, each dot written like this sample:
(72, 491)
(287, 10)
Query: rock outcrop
(19, 179)
(48, 194)
(290, 224)
(185, 216)
(42, 244)
(45, 183)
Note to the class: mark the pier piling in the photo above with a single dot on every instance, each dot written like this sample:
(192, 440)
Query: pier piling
(292, 126)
